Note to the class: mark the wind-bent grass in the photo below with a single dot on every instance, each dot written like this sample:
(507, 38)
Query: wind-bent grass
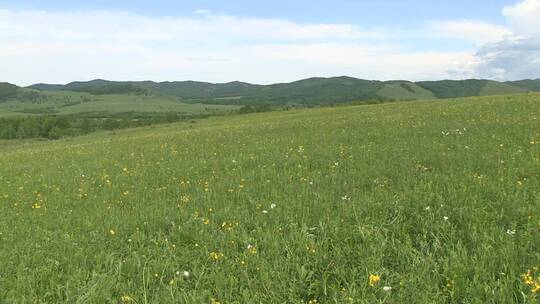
(438, 200)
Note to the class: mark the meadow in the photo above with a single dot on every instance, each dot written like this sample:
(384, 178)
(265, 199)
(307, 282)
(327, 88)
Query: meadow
(60, 114)
(70, 103)
(411, 202)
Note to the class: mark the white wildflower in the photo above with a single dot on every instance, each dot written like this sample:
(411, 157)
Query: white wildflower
(510, 231)
(184, 274)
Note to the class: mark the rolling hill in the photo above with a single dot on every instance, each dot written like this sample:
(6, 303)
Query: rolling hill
(307, 92)
(471, 87)
(527, 84)
(100, 101)
(7, 91)
(95, 87)
(404, 90)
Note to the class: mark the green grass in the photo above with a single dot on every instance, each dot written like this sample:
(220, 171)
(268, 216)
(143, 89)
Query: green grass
(123, 103)
(65, 102)
(404, 90)
(439, 199)
(527, 84)
(6, 113)
(469, 87)
(497, 88)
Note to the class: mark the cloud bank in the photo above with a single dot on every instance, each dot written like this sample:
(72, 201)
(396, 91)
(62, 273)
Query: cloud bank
(37, 46)
(517, 56)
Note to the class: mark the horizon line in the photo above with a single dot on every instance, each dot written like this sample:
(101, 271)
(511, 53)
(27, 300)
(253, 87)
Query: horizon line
(259, 84)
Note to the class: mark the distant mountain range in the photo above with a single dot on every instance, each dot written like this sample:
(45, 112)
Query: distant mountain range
(312, 91)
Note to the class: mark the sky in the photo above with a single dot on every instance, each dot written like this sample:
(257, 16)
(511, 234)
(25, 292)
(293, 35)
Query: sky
(266, 42)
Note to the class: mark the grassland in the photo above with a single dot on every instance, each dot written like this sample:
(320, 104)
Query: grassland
(69, 103)
(438, 201)
(403, 90)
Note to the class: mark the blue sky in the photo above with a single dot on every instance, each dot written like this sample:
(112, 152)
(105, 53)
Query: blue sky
(267, 41)
(369, 13)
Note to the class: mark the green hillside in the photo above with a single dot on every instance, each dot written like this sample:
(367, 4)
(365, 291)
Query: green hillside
(181, 89)
(31, 114)
(306, 92)
(95, 87)
(404, 90)
(47, 87)
(315, 91)
(470, 87)
(527, 84)
(68, 102)
(498, 88)
(410, 202)
(200, 90)
(7, 91)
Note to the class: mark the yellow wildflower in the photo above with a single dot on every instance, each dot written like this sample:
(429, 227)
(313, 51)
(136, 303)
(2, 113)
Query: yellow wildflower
(528, 278)
(252, 249)
(536, 288)
(126, 299)
(216, 255)
(374, 279)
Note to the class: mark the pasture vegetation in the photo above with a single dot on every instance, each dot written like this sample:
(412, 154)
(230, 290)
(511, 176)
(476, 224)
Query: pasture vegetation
(67, 102)
(57, 114)
(414, 202)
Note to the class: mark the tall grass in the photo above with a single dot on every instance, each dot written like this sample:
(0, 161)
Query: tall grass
(420, 202)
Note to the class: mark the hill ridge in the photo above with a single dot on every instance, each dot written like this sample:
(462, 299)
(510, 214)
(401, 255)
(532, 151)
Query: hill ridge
(308, 91)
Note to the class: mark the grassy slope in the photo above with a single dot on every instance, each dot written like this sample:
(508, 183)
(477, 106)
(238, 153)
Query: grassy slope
(527, 84)
(67, 102)
(498, 88)
(7, 90)
(404, 90)
(470, 87)
(130, 103)
(358, 190)
(314, 91)
(6, 113)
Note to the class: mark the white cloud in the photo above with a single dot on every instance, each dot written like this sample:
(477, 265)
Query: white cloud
(472, 31)
(518, 55)
(524, 17)
(37, 46)
(103, 26)
(513, 58)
